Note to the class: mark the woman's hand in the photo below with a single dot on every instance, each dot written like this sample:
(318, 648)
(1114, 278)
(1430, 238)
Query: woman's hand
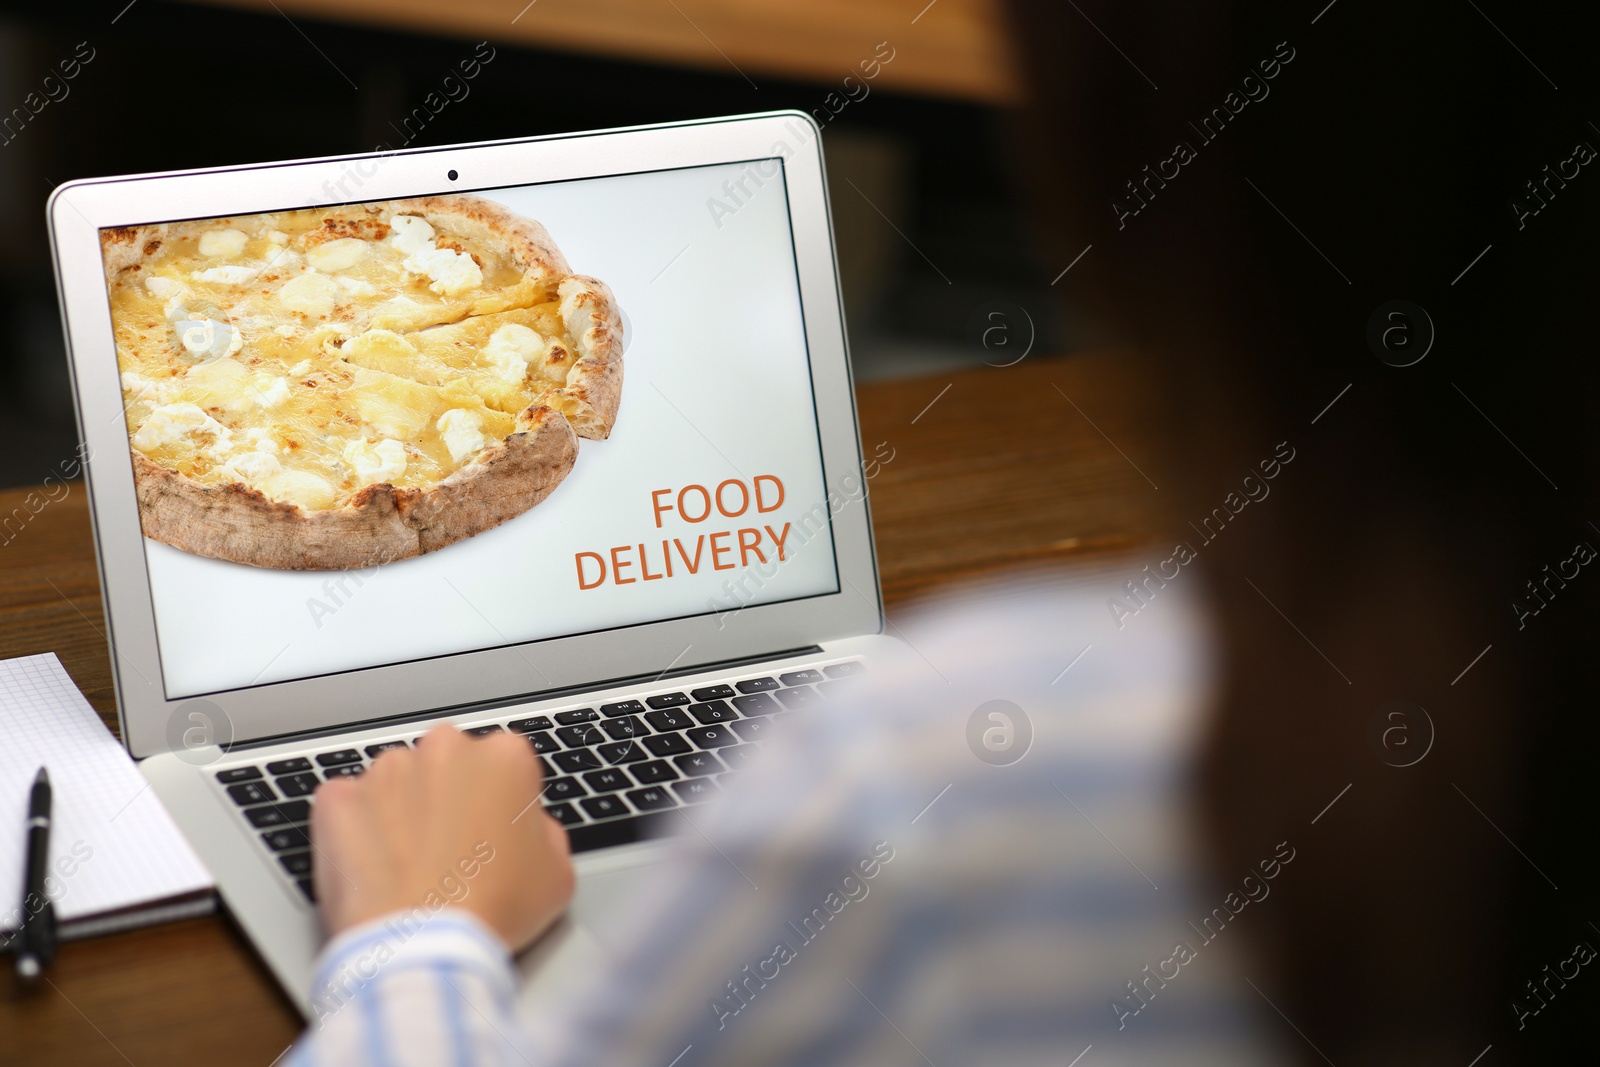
(456, 820)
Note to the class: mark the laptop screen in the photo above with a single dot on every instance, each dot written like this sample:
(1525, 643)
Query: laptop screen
(381, 432)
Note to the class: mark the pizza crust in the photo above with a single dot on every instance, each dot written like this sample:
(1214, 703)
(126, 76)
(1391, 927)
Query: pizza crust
(126, 246)
(594, 384)
(381, 524)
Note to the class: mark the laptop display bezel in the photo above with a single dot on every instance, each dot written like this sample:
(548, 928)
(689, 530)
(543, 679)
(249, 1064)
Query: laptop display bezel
(152, 723)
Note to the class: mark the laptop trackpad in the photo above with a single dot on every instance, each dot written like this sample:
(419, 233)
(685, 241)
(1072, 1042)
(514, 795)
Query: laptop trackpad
(569, 955)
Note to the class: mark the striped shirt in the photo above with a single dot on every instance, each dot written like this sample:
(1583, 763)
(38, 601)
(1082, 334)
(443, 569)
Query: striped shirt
(985, 855)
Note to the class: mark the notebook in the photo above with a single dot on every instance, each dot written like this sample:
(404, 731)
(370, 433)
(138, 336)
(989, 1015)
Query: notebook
(116, 859)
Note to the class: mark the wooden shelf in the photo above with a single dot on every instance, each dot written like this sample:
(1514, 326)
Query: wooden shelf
(950, 48)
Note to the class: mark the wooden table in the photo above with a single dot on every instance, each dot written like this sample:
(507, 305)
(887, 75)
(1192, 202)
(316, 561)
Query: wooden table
(990, 467)
(949, 48)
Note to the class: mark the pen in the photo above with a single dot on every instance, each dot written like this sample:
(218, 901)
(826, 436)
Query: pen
(36, 941)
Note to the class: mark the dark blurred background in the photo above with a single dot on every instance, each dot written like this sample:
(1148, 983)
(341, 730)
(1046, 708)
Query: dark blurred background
(918, 149)
(1429, 152)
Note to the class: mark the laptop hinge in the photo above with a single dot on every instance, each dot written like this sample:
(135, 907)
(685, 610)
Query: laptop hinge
(524, 698)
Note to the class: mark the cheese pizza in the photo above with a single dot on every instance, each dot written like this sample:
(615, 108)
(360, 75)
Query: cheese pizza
(341, 387)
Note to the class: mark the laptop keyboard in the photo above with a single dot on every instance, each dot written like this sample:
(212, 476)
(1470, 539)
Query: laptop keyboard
(613, 772)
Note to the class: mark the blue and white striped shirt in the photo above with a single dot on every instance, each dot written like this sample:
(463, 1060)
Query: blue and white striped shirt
(905, 878)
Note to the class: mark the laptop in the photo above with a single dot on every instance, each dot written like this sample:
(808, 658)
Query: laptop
(692, 564)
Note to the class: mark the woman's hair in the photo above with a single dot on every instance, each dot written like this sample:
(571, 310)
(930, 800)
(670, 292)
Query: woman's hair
(1364, 235)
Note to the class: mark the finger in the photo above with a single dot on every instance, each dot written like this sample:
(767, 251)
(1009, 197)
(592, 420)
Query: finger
(383, 794)
(556, 839)
(335, 832)
(440, 735)
(439, 752)
(332, 811)
(517, 756)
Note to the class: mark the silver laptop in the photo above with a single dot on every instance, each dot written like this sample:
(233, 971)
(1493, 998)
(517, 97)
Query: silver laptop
(644, 615)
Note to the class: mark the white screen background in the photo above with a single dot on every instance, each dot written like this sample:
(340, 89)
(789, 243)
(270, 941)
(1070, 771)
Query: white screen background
(716, 386)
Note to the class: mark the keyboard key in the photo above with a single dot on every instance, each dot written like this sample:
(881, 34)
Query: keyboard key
(627, 726)
(384, 746)
(580, 736)
(563, 789)
(713, 711)
(546, 772)
(838, 688)
(800, 677)
(251, 793)
(622, 707)
(801, 696)
(667, 700)
(845, 670)
(238, 774)
(299, 785)
(752, 729)
(543, 742)
(725, 780)
(669, 720)
(711, 736)
(348, 770)
(483, 731)
(289, 811)
(286, 838)
(308, 890)
(666, 744)
(695, 790)
(739, 756)
(608, 781)
(759, 704)
(565, 814)
(657, 770)
(577, 761)
(622, 752)
(296, 862)
(697, 763)
(757, 685)
(651, 799)
(335, 759)
(527, 726)
(603, 807)
(573, 718)
(289, 766)
(714, 692)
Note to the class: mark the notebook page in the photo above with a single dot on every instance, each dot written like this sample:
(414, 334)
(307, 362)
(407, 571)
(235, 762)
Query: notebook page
(112, 844)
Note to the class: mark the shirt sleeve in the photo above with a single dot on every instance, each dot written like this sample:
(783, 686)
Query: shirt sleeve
(413, 987)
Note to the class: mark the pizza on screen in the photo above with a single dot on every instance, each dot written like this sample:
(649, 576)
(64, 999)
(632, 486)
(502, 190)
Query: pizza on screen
(334, 388)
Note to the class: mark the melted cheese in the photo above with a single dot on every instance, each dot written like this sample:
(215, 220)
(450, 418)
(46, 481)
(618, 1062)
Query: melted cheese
(380, 462)
(312, 353)
(336, 255)
(510, 349)
(207, 338)
(410, 234)
(224, 243)
(462, 433)
(450, 273)
(311, 294)
(180, 425)
(230, 275)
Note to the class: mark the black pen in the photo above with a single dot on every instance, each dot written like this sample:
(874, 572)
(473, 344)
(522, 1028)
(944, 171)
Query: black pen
(36, 940)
